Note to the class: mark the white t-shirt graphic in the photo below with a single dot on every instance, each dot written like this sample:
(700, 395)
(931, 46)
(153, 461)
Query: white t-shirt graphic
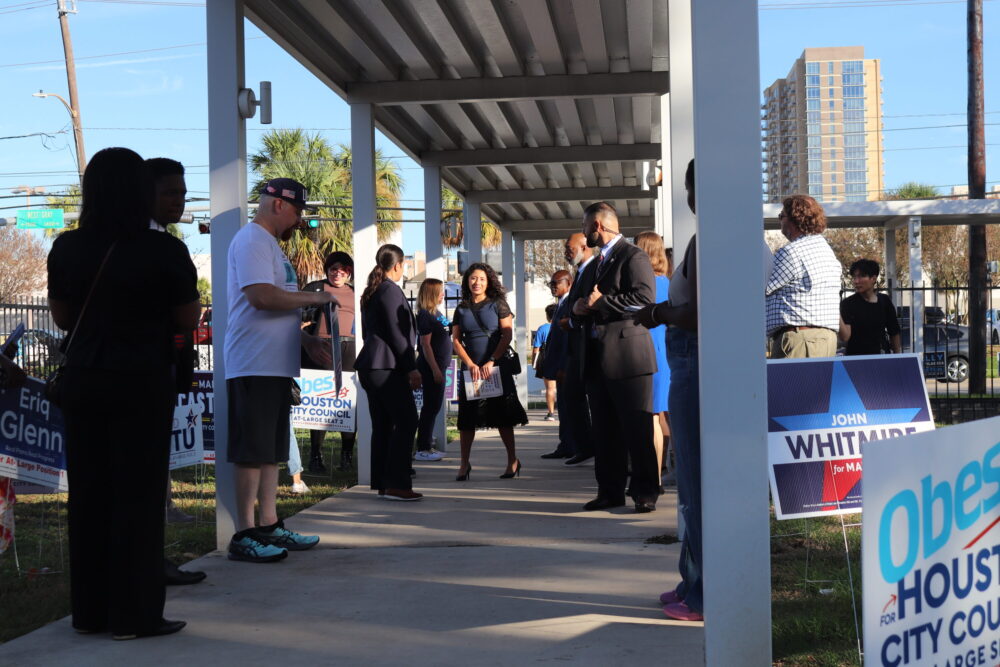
(260, 342)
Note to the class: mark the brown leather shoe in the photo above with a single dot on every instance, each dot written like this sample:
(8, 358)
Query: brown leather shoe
(402, 494)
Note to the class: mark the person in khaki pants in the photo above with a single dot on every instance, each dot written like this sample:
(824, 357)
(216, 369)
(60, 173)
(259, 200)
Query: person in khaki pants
(803, 290)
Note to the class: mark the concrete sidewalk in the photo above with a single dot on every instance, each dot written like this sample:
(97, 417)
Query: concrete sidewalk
(485, 572)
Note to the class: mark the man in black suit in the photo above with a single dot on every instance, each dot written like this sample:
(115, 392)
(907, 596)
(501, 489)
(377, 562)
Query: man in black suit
(618, 362)
(554, 360)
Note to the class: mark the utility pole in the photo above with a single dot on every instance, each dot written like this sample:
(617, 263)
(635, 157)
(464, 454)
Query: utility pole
(74, 100)
(977, 190)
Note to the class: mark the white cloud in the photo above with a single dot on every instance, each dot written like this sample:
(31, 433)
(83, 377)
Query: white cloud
(113, 63)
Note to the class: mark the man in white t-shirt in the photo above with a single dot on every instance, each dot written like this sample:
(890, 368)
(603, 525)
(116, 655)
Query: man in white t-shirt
(261, 358)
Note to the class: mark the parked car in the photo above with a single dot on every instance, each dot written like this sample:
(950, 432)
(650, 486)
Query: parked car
(993, 326)
(946, 351)
(38, 350)
(203, 334)
(932, 314)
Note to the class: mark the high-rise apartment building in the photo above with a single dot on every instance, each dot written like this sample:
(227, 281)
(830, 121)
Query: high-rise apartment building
(823, 128)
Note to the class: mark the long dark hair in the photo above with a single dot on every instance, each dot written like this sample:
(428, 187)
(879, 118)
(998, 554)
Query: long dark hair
(116, 192)
(388, 256)
(494, 288)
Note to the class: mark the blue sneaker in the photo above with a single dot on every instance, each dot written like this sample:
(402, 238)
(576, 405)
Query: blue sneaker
(278, 536)
(245, 546)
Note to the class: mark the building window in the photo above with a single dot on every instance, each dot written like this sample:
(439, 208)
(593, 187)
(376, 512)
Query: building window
(853, 66)
(816, 190)
(829, 80)
(833, 155)
(812, 92)
(812, 68)
(854, 165)
(833, 141)
(854, 91)
(831, 105)
(856, 115)
(855, 177)
(833, 189)
(815, 177)
(812, 116)
(856, 198)
(815, 165)
(854, 103)
(815, 153)
(812, 80)
(833, 178)
(854, 128)
(812, 128)
(829, 92)
(856, 188)
(853, 79)
(854, 140)
(812, 142)
(854, 152)
(829, 68)
(812, 105)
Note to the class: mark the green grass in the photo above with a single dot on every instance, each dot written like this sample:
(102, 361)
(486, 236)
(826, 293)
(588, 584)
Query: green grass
(40, 593)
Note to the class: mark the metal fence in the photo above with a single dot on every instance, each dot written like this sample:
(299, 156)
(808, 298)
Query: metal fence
(38, 350)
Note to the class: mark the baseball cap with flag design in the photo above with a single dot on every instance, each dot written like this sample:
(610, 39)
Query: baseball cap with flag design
(288, 189)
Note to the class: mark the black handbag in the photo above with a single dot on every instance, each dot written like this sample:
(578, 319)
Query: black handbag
(510, 359)
(54, 382)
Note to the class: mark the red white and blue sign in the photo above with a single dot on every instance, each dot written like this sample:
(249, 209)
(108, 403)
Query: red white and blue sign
(822, 412)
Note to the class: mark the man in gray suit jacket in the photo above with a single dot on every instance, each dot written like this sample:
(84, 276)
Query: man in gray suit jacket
(618, 362)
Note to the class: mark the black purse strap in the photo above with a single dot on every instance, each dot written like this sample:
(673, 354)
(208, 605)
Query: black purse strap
(475, 314)
(86, 302)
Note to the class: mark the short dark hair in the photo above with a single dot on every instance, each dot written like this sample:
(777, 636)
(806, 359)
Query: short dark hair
(866, 267)
(338, 257)
(599, 207)
(116, 194)
(689, 176)
(163, 166)
(550, 311)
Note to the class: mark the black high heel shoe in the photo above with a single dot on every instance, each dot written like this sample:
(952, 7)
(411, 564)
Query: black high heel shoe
(513, 473)
(465, 477)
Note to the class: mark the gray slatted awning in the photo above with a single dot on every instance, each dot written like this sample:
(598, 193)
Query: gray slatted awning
(533, 109)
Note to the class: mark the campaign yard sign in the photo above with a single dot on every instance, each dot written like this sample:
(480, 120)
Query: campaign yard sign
(930, 553)
(186, 442)
(202, 396)
(822, 413)
(323, 407)
(32, 436)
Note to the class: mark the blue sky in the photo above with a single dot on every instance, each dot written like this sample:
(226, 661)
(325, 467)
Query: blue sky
(921, 46)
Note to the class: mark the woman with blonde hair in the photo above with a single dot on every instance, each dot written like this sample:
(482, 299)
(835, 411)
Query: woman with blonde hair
(435, 356)
(652, 244)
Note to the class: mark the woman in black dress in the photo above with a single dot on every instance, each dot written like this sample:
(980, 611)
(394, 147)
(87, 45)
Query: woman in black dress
(118, 393)
(432, 362)
(481, 330)
(387, 369)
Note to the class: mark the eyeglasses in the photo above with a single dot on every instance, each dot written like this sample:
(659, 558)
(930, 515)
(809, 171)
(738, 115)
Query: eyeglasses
(553, 283)
(339, 269)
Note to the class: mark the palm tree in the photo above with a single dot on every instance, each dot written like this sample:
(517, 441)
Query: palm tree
(453, 218)
(388, 188)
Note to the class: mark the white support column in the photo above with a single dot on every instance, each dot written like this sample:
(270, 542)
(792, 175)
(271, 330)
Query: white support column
(227, 157)
(914, 237)
(664, 201)
(520, 313)
(677, 139)
(889, 271)
(737, 582)
(507, 268)
(365, 247)
(433, 247)
(435, 268)
(473, 232)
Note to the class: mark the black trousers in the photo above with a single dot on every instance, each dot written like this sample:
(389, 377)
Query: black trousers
(118, 428)
(574, 418)
(622, 416)
(433, 399)
(394, 423)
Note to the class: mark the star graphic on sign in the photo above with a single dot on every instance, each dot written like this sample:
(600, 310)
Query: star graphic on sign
(192, 418)
(848, 402)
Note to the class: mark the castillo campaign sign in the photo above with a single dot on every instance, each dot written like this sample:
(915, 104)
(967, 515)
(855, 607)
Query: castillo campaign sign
(202, 398)
(930, 552)
(822, 412)
(32, 436)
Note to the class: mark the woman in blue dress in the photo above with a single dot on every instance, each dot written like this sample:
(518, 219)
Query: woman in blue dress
(482, 328)
(652, 244)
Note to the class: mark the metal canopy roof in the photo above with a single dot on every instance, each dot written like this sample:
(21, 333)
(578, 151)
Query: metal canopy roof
(889, 214)
(532, 108)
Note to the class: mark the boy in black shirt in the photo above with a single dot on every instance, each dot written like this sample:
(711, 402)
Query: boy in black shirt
(868, 323)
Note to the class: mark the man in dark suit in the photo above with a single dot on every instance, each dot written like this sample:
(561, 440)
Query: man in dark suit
(618, 362)
(554, 360)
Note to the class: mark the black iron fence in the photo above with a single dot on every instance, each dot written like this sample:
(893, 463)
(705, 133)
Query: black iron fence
(38, 350)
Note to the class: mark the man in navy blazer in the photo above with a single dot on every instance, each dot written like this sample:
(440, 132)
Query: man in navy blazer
(554, 362)
(618, 362)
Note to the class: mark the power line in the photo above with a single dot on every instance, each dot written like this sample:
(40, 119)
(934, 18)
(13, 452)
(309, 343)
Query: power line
(121, 53)
(858, 4)
(148, 2)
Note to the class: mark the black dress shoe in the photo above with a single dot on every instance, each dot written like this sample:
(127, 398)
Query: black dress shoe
(602, 503)
(578, 459)
(178, 577)
(164, 627)
(555, 455)
(644, 507)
